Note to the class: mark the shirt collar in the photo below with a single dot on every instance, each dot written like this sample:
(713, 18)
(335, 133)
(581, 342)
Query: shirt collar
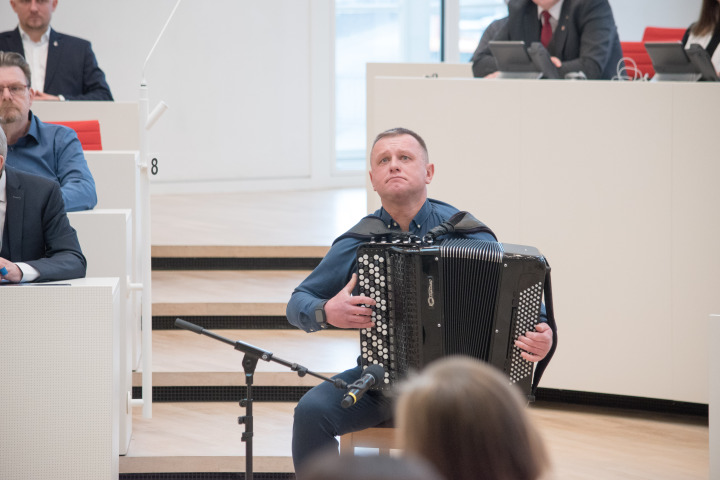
(34, 130)
(554, 10)
(417, 222)
(32, 135)
(3, 182)
(43, 40)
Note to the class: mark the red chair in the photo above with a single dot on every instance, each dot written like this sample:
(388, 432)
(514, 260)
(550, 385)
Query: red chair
(643, 65)
(662, 34)
(88, 131)
(636, 50)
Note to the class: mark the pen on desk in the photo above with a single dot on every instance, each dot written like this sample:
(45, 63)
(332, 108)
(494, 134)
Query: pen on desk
(3, 271)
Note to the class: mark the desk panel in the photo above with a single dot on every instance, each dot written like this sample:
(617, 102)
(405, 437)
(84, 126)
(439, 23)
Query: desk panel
(59, 369)
(613, 182)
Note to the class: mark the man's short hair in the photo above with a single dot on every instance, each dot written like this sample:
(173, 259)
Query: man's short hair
(397, 131)
(12, 59)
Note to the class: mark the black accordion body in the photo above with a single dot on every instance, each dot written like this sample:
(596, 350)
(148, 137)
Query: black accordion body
(458, 296)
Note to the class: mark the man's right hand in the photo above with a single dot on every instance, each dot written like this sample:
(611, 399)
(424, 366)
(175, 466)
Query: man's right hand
(14, 274)
(346, 311)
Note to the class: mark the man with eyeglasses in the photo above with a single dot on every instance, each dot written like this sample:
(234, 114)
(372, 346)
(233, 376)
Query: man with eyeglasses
(51, 151)
(37, 243)
(63, 67)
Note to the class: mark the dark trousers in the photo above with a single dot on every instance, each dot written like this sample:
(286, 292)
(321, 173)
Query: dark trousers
(319, 416)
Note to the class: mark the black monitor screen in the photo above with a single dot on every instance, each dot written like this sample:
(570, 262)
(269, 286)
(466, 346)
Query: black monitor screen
(512, 56)
(669, 57)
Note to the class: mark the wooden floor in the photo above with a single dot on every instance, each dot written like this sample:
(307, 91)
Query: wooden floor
(584, 442)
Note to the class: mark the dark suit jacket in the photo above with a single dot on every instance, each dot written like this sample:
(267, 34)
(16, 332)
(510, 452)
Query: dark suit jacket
(585, 39)
(37, 230)
(72, 70)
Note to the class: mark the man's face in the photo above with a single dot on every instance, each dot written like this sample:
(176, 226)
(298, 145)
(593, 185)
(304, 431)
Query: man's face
(34, 15)
(399, 169)
(545, 4)
(14, 108)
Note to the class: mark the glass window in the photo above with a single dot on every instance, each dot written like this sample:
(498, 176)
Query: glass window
(375, 31)
(475, 16)
(390, 31)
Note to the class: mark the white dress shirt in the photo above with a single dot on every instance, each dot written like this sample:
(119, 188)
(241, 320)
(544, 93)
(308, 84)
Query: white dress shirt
(554, 14)
(36, 55)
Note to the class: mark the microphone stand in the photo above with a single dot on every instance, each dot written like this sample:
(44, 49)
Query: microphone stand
(250, 359)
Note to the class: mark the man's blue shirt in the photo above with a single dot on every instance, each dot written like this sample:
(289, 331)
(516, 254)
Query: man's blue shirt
(336, 269)
(54, 152)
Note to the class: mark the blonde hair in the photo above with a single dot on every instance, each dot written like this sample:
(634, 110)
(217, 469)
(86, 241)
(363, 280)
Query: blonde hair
(463, 417)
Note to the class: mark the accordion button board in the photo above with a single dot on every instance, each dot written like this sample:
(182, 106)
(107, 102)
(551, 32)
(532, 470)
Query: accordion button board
(456, 297)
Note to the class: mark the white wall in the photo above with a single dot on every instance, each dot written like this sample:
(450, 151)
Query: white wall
(250, 84)
(632, 16)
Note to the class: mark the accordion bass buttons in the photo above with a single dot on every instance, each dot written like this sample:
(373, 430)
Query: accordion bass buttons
(375, 342)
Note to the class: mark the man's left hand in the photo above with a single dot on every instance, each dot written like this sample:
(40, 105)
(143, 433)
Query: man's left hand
(45, 96)
(536, 345)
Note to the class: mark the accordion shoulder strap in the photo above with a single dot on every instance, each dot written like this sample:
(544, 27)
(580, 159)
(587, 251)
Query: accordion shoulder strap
(373, 226)
(550, 312)
(461, 222)
(369, 227)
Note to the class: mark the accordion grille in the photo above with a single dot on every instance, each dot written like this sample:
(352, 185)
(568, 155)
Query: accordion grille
(404, 314)
(471, 279)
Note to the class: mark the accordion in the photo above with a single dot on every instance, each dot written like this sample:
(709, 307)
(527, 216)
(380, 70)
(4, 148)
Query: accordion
(456, 297)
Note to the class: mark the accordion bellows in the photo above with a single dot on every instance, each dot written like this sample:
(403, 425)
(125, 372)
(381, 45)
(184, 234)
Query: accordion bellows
(456, 297)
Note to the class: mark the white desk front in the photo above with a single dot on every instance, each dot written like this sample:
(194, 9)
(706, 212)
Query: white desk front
(59, 389)
(616, 183)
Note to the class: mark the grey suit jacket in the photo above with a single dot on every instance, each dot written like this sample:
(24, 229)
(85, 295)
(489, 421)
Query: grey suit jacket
(37, 230)
(585, 38)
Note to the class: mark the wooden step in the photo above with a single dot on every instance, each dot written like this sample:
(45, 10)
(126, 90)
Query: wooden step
(233, 220)
(220, 292)
(240, 251)
(206, 437)
(584, 442)
(183, 358)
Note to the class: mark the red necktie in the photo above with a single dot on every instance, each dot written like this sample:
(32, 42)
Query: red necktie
(546, 32)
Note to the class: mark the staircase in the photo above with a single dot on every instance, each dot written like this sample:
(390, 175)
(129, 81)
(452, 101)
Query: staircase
(229, 264)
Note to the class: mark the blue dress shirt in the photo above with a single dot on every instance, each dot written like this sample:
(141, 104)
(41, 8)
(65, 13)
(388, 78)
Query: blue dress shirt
(54, 152)
(336, 269)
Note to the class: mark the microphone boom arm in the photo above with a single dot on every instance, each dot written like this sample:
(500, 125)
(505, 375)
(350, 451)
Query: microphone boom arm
(258, 353)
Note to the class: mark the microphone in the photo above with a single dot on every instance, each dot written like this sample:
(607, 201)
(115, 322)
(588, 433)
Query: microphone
(372, 375)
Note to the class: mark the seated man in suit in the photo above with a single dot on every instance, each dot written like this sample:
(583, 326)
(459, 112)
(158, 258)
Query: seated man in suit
(51, 151)
(63, 67)
(580, 36)
(38, 243)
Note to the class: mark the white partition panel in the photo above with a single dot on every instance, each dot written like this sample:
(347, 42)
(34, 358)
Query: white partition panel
(613, 182)
(117, 181)
(714, 410)
(116, 175)
(58, 364)
(105, 239)
(118, 120)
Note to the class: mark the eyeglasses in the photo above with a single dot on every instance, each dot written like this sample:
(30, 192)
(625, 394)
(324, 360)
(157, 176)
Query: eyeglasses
(15, 90)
